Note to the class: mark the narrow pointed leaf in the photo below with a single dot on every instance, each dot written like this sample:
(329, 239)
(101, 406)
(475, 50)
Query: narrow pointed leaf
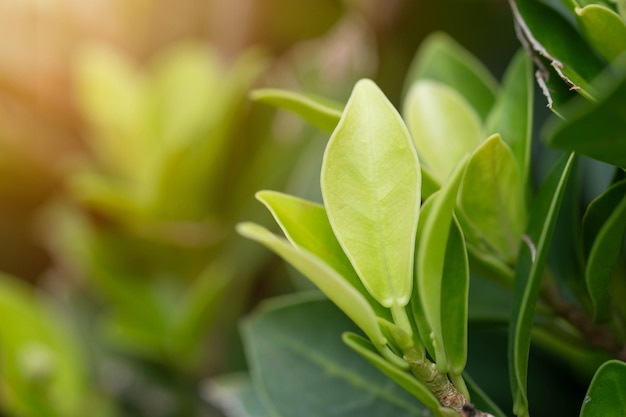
(301, 367)
(371, 188)
(606, 396)
(440, 58)
(306, 225)
(491, 198)
(603, 28)
(320, 112)
(430, 265)
(603, 259)
(512, 115)
(333, 285)
(531, 263)
(443, 126)
(454, 298)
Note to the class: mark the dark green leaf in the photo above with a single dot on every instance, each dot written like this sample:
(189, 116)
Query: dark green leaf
(236, 396)
(603, 258)
(599, 211)
(480, 399)
(531, 262)
(597, 130)
(302, 368)
(606, 396)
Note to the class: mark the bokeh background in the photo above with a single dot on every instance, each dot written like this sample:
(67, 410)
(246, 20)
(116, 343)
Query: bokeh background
(129, 149)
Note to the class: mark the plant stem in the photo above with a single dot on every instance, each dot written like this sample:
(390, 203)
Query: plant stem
(439, 384)
(598, 337)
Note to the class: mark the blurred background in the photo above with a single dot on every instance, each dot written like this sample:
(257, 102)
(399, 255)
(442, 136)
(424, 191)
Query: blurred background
(129, 149)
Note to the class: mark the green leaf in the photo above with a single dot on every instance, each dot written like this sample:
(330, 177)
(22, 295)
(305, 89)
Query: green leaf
(431, 270)
(603, 28)
(333, 285)
(480, 399)
(491, 198)
(562, 50)
(235, 396)
(604, 256)
(318, 111)
(603, 121)
(598, 212)
(306, 225)
(371, 188)
(407, 381)
(531, 262)
(301, 367)
(606, 396)
(43, 373)
(442, 59)
(512, 115)
(443, 125)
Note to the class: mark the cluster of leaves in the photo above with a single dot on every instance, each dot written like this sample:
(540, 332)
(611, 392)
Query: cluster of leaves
(411, 204)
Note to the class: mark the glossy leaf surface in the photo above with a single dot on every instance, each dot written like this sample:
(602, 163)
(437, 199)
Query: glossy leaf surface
(440, 58)
(443, 125)
(320, 112)
(530, 267)
(491, 198)
(371, 187)
(302, 368)
(606, 396)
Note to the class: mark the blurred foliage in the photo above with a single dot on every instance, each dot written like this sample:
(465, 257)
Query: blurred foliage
(128, 151)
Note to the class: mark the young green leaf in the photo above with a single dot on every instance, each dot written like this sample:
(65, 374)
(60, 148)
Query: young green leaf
(603, 259)
(433, 236)
(301, 367)
(321, 112)
(606, 396)
(531, 262)
(333, 285)
(603, 28)
(443, 125)
(371, 188)
(512, 115)
(491, 198)
(442, 59)
(306, 225)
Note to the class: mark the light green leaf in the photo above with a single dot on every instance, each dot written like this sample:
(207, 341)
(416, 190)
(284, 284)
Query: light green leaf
(407, 381)
(530, 267)
(512, 115)
(43, 374)
(321, 112)
(443, 125)
(491, 198)
(301, 367)
(606, 396)
(371, 187)
(306, 225)
(333, 285)
(604, 256)
(604, 121)
(603, 28)
(430, 265)
(442, 59)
